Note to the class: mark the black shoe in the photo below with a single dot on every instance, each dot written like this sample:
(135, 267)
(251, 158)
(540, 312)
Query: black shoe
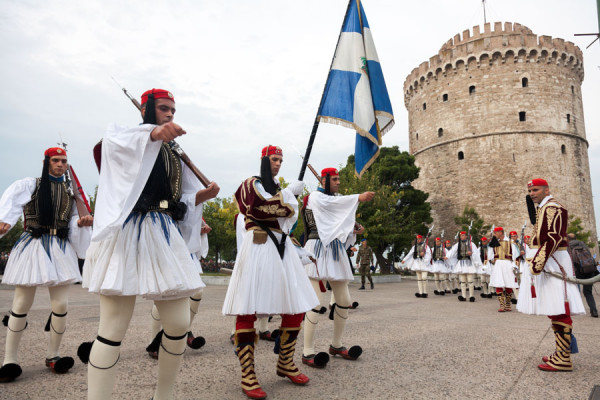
(594, 313)
(483, 295)
(424, 295)
(436, 292)
(513, 301)
(9, 372)
(472, 299)
(418, 294)
(362, 287)
(372, 286)
(489, 296)
(460, 298)
(60, 365)
(442, 293)
(448, 291)
(454, 291)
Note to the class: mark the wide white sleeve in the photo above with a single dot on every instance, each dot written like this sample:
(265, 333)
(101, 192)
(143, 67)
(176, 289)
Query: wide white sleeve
(452, 256)
(475, 258)
(427, 256)
(128, 155)
(240, 230)
(191, 224)
(14, 199)
(79, 237)
(334, 215)
(490, 253)
(516, 252)
(410, 253)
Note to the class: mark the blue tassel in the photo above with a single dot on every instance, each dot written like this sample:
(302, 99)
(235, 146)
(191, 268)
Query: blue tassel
(574, 348)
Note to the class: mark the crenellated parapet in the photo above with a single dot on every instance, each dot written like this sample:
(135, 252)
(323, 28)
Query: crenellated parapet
(507, 43)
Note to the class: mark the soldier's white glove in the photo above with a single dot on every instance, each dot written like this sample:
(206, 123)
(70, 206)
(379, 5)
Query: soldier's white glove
(296, 187)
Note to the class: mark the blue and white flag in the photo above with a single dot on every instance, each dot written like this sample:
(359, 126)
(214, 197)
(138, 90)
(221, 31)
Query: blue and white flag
(355, 95)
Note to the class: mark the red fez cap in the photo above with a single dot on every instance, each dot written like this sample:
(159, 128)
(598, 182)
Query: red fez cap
(448, 241)
(537, 182)
(270, 150)
(483, 239)
(438, 239)
(463, 233)
(498, 229)
(158, 94)
(55, 151)
(419, 237)
(513, 233)
(330, 171)
(527, 237)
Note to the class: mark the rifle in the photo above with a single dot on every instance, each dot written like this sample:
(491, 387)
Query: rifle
(83, 208)
(443, 244)
(174, 145)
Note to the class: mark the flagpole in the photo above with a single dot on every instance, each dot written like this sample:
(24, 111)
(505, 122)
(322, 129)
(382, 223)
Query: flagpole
(315, 127)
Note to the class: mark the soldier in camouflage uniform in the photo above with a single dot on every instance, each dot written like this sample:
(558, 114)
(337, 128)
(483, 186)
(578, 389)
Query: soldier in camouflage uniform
(364, 259)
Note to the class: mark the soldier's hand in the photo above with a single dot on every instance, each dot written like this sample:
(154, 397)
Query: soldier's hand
(469, 253)
(87, 220)
(167, 132)
(4, 227)
(366, 196)
(205, 229)
(359, 229)
(209, 193)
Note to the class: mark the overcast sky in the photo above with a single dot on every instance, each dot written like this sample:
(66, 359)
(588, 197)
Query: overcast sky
(244, 73)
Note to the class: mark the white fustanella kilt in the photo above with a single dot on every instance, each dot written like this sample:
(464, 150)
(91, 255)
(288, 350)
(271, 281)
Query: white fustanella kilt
(46, 261)
(440, 267)
(550, 291)
(418, 265)
(264, 284)
(147, 257)
(329, 269)
(464, 267)
(502, 275)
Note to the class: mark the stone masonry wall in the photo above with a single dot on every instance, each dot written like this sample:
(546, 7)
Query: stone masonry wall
(466, 103)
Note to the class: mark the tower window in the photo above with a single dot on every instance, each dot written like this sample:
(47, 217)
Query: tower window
(445, 97)
(563, 149)
(524, 82)
(568, 118)
(572, 89)
(440, 132)
(424, 106)
(417, 135)
(522, 116)
(472, 89)
(461, 155)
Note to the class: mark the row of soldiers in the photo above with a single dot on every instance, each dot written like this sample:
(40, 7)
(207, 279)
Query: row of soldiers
(494, 267)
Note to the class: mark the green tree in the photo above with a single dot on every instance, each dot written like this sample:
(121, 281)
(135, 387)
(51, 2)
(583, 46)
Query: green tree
(8, 241)
(575, 226)
(479, 227)
(219, 214)
(398, 210)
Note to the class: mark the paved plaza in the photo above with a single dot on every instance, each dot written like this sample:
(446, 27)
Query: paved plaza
(434, 348)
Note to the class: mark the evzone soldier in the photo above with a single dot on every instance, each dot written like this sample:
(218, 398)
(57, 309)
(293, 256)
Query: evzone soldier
(526, 304)
(502, 253)
(439, 268)
(330, 229)
(466, 258)
(268, 277)
(552, 296)
(44, 255)
(418, 260)
(148, 211)
(193, 342)
(364, 259)
(452, 275)
(485, 268)
(514, 238)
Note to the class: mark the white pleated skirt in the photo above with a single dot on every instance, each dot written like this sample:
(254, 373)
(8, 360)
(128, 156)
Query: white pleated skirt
(440, 267)
(264, 284)
(46, 261)
(502, 275)
(465, 267)
(525, 303)
(147, 257)
(332, 261)
(418, 265)
(484, 269)
(550, 291)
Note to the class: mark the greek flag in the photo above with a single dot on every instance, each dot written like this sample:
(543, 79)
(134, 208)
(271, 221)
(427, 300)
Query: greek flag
(355, 95)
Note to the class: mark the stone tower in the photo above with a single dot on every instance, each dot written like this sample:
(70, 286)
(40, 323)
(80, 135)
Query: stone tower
(492, 110)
